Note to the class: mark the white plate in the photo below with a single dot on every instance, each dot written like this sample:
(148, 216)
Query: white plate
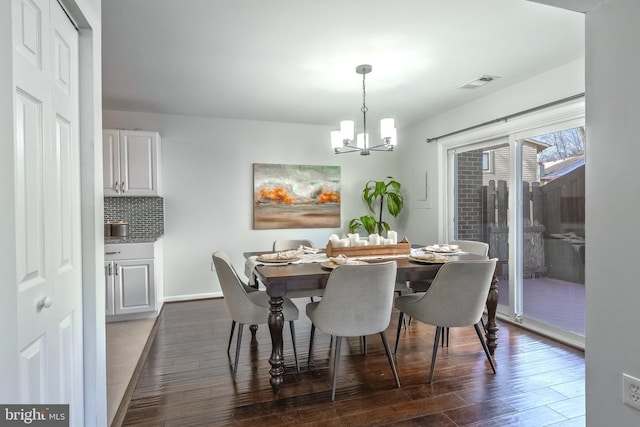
(276, 260)
(440, 250)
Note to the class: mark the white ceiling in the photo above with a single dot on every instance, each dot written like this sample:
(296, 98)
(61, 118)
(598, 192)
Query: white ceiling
(294, 60)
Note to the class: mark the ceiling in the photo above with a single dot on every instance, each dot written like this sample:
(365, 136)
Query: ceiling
(294, 60)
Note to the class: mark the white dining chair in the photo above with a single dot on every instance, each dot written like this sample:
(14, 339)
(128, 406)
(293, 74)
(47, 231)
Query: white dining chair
(456, 297)
(469, 246)
(248, 307)
(247, 288)
(357, 302)
(285, 245)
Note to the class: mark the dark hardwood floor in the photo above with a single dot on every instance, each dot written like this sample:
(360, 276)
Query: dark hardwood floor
(187, 380)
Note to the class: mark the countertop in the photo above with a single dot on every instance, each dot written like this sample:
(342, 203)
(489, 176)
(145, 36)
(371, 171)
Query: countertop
(109, 240)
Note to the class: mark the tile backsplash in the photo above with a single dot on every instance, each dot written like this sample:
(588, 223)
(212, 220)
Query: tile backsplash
(145, 215)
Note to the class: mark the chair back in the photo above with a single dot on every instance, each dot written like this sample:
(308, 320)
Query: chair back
(458, 294)
(235, 296)
(285, 245)
(472, 246)
(357, 300)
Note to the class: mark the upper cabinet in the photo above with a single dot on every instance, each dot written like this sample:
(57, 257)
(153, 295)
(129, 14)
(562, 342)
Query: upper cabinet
(131, 163)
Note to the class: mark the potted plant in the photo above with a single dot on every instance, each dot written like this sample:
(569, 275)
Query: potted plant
(374, 195)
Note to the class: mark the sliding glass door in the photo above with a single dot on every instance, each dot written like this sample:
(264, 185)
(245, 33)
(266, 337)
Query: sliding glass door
(524, 195)
(553, 232)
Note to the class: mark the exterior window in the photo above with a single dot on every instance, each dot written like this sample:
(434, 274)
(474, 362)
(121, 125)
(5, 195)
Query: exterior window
(487, 161)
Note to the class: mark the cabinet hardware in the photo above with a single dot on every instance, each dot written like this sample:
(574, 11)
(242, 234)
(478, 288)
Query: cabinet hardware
(115, 269)
(112, 253)
(116, 187)
(122, 187)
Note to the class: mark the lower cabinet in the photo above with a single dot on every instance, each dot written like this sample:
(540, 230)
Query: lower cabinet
(131, 284)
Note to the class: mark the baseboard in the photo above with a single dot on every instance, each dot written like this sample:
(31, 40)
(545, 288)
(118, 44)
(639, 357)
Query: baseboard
(193, 297)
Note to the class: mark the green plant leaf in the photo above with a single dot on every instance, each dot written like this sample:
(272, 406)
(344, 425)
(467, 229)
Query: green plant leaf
(369, 223)
(394, 204)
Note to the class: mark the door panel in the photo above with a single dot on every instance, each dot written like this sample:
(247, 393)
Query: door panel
(47, 205)
(33, 371)
(137, 156)
(110, 162)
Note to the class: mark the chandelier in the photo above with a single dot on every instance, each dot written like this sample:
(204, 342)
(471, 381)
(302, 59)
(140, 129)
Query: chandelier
(342, 140)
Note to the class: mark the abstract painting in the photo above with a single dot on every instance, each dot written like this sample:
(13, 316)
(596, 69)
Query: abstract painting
(295, 196)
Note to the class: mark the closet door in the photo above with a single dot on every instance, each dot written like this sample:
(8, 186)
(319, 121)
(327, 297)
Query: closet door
(47, 206)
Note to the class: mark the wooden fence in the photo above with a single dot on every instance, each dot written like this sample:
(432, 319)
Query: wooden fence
(496, 230)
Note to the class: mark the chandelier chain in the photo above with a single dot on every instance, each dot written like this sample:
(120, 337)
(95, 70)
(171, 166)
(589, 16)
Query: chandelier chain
(364, 110)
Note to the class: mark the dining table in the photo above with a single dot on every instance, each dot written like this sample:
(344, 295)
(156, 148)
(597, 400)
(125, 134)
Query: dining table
(311, 273)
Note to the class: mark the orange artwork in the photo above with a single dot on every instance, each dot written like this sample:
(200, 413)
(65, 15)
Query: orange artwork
(295, 196)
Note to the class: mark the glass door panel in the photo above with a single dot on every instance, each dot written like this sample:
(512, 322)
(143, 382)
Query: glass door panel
(553, 232)
(480, 210)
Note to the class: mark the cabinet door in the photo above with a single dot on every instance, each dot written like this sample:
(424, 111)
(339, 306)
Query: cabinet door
(108, 286)
(134, 286)
(111, 162)
(139, 163)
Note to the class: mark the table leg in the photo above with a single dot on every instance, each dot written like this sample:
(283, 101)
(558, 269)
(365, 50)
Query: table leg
(276, 323)
(492, 306)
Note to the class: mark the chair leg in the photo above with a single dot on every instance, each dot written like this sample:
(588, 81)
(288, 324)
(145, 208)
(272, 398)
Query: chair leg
(387, 349)
(336, 364)
(395, 350)
(233, 326)
(238, 342)
(313, 332)
(293, 340)
(483, 325)
(484, 347)
(364, 344)
(435, 351)
(445, 336)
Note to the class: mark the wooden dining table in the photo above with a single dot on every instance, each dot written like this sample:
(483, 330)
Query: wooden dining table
(280, 279)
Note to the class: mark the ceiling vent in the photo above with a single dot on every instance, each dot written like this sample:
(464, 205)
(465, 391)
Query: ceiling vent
(478, 82)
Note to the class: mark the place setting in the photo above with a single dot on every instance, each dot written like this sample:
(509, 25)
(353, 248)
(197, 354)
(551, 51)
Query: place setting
(339, 260)
(434, 254)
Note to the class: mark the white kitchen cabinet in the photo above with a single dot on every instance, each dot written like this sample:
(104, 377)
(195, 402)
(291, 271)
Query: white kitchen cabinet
(131, 163)
(132, 286)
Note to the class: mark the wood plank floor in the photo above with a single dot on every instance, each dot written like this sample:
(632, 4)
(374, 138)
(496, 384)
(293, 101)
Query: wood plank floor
(187, 378)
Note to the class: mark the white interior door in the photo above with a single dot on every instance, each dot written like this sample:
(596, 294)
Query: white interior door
(47, 206)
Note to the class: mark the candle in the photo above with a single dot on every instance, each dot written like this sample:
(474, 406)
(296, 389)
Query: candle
(374, 239)
(393, 236)
(354, 238)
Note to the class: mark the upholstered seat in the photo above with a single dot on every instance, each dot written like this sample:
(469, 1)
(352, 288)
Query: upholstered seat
(248, 307)
(456, 297)
(357, 301)
(469, 246)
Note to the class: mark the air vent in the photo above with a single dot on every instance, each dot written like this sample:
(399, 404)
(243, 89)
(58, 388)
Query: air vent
(478, 82)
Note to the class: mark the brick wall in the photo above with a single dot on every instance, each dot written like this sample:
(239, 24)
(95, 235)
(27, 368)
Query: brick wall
(469, 186)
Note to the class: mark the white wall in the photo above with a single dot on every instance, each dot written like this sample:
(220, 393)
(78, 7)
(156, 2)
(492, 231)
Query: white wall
(612, 205)
(208, 188)
(418, 156)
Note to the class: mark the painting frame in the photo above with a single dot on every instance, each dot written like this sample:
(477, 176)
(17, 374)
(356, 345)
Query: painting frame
(296, 196)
